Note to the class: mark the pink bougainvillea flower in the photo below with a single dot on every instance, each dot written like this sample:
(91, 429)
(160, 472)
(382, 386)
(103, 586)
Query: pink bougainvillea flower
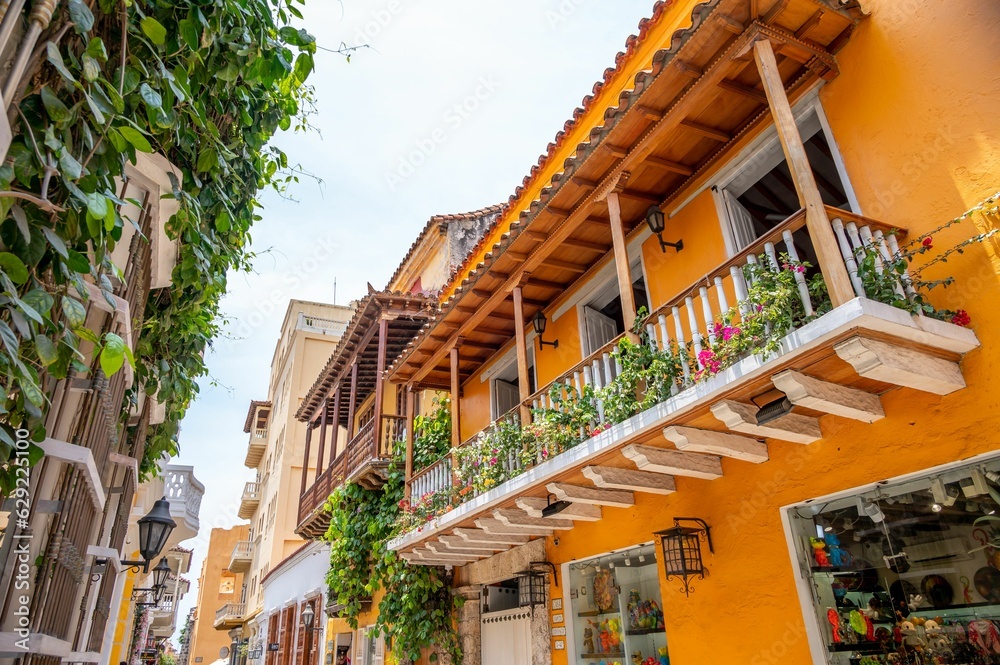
(709, 361)
(961, 318)
(729, 332)
(927, 242)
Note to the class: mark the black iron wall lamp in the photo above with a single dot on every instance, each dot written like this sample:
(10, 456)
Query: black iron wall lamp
(154, 530)
(681, 547)
(160, 574)
(657, 221)
(531, 583)
(538, 323)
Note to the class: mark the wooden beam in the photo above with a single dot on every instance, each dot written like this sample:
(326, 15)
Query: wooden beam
(544, 283)
(486, 330)
(745, 90)
(383, 341)
(352, 405)
(583, 244)
(523, 385)
(411, 399)
(516, 256)
(583, 182)
(793, 427)
(667, 165)
(480, 536)
(901, 366)
(730, 23)
(540, 236)
(674, 462)
(558, 212)
(649, 197)
(706, 131)
(695, 440)
(517, 518)
(810, 23)
(583, 512)
(817, 222)
(565, 265)
(459, 543)
(812, 393)
(305, 465)
(616, 151)
(422, 559)
(648, 112)
(689, 69)
(622, 268)
(456, 401)
(592, 495)
(612, 477)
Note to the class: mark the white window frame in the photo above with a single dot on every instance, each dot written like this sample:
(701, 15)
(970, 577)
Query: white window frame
(601, 285)
(815, 633)
(762, 144)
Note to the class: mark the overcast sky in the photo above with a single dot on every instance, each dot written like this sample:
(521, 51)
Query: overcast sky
(446, 113)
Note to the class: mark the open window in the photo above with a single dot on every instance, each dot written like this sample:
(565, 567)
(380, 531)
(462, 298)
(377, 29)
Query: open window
(601, 317)
(758, 193)
(505, 392)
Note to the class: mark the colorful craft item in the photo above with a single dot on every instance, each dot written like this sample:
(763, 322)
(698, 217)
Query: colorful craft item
(834, 618)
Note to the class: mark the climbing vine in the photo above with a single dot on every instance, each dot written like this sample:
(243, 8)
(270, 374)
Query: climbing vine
(416, 611)
(204, 84)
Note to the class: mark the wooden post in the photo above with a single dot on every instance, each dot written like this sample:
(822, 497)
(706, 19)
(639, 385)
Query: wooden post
(622, 264)
(456, 411)
(838, 283)
(523, 381)
(410, 404)
(354, 401)
(305, 458)
(336, 425)
(325, 405)
(383, 335)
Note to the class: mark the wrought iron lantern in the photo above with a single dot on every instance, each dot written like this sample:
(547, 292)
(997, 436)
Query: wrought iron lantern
(682, 550)
(538, 322)
(657, 222)
(308, 616)
(531, 583)
(160, 574)
(154, 529)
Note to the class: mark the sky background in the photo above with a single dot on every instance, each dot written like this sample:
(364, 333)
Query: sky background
(445, 113)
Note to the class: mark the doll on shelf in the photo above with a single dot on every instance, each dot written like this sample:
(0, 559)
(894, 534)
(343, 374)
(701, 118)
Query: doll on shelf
(819, 552)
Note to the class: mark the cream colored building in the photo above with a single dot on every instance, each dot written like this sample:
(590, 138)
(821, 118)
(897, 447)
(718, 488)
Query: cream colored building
(309, 334)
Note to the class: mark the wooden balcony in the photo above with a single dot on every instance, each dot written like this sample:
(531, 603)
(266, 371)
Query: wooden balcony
(230, 616)
(242, 556)
(365, 460)
(249, 501)
(836, 362)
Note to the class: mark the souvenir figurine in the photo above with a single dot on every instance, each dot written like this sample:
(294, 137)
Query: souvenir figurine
(910, 637)
(838, 555)
(664, 659)
(588, 640)
(819, 552)
(636, 658)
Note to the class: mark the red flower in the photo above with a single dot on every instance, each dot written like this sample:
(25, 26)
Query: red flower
(961, 318)
(927, 242)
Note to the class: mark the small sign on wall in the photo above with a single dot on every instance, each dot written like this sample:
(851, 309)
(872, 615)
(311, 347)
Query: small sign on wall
(559, 632)
(557, 618)
(560, 645)
(557, 603)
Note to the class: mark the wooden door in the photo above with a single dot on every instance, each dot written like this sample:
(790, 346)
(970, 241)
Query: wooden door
(506, 637)
(740, 221)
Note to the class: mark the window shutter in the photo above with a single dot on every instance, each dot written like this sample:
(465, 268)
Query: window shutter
(379, 650)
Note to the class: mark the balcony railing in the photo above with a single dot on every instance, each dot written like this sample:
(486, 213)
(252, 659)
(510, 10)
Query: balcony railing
(229, 615)
(242, 556)
(256, 447)
(250, 500)
(321, 325)
(184, 492)
(681, 330)
(359, 456)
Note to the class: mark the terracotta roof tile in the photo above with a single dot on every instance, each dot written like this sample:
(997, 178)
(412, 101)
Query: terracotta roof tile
(253, 407)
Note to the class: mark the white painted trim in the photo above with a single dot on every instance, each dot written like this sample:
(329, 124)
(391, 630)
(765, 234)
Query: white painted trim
(859, 314)
(83, 459)
(838, 159)
(129, 462)
(38, 643)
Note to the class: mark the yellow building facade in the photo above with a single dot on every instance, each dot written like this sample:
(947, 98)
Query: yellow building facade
(833, 134)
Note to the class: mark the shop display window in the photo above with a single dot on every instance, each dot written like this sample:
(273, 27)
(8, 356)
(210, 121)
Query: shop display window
(908, 573)
(617, 613)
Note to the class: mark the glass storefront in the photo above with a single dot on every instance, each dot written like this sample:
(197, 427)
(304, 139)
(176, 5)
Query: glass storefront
(617, 613)
(909, 572)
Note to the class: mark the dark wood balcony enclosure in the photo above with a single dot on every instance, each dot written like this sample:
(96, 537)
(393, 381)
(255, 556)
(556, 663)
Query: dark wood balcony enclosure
(382, 325)
(735, 70)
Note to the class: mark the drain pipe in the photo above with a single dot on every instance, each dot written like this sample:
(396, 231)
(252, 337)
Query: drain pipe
(41, 15)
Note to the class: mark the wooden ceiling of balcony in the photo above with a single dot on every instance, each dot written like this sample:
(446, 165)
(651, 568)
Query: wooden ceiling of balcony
(696, 106)
(407, 314)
